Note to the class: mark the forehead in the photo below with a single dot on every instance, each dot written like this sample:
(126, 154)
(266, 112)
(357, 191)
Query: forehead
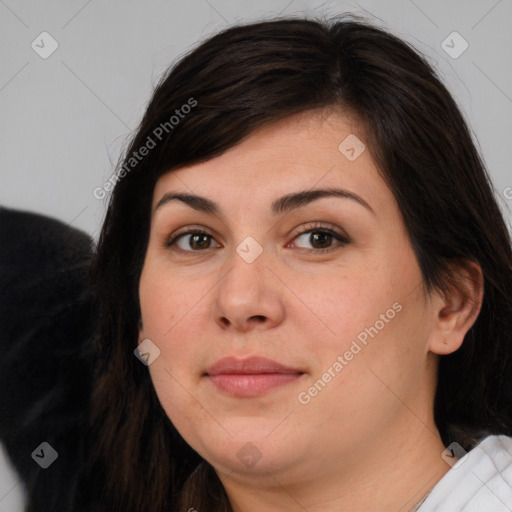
(299, 152)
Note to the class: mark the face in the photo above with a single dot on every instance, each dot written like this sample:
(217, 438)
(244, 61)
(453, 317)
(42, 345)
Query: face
(324, 286)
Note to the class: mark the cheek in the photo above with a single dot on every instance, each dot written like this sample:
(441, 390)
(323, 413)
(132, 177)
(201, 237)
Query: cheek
(171, 320)
(361, 371)
(370, 315)
(175, 374)
(158, 313)
(167, 303)
(347, 305)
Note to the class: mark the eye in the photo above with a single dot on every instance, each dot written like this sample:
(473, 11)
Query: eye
(321, 237)
(193, 240)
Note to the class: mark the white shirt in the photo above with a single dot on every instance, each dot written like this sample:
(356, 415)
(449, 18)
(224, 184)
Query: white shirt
(480, 481)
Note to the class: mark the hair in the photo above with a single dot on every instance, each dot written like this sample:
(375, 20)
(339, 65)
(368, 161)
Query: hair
(237, 81)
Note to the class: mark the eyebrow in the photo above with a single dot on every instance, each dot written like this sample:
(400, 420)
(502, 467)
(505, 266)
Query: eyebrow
(282, 205)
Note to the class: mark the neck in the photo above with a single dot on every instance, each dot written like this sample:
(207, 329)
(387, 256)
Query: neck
(389, 476)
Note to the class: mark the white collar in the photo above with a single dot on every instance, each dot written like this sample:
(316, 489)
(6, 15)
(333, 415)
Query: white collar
(481, 481)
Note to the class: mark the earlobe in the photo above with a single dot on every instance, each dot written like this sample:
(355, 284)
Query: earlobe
(458, 308)
(446, 345)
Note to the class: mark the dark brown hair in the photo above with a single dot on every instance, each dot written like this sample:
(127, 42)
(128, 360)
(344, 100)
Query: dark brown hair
(241, 79)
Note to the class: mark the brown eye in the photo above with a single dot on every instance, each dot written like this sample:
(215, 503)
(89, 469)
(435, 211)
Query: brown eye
(321, 239)
(192, 241)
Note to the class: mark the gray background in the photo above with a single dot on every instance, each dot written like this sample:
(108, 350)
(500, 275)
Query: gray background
(64, 119)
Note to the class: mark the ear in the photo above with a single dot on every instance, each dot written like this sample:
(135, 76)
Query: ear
(457, 309)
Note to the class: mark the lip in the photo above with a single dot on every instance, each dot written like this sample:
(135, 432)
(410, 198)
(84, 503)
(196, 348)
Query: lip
(250, 377)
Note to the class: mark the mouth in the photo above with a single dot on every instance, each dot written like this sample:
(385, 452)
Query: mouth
(245, 378)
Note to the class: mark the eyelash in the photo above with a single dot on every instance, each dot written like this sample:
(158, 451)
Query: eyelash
(308, 228)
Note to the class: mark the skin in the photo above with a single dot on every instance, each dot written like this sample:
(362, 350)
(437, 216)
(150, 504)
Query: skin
(367, 440)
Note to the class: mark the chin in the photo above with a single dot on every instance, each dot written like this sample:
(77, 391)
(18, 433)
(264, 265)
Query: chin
(251, 454)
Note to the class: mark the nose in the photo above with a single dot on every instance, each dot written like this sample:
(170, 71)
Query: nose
(249, 296)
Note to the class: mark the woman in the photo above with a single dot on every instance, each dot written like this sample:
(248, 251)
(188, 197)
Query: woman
(304, 253)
